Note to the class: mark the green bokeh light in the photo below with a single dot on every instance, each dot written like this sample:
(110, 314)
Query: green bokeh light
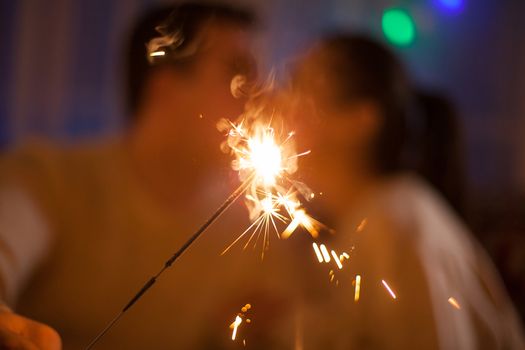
(398, 27)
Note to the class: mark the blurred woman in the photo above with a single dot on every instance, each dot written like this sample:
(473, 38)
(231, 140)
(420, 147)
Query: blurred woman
(425, 283)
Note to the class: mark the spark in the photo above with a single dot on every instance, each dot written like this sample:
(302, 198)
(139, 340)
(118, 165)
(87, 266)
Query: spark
(326, 255)
(273, 197)
(389, 289)
(235, 325)
(323, 255)
(337, 260)
(452, 301)
(357, 291)
(300, 218)
(317, 252)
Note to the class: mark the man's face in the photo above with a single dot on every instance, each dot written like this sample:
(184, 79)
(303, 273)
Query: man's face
(225, 54)
(202, 95)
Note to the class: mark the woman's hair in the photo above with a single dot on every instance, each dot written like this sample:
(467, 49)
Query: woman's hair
(363, 69)
(419, 132)
(441, 144)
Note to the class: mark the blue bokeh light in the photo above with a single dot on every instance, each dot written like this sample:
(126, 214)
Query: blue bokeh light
(451, 5)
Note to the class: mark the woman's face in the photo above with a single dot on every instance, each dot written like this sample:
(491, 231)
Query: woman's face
(338, 133)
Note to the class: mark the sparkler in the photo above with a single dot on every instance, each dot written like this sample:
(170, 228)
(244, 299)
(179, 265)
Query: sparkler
(261, 162)
(273, 197)
(225, 205)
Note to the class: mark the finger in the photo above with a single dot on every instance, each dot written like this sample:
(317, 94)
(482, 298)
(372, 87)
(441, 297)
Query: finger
(13, 341)
(40, 335)
(43, 336)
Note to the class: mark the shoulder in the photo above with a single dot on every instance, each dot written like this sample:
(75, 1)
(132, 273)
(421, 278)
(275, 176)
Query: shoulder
(39, 158)
(28, 163)
(409, 203)
(49, 174)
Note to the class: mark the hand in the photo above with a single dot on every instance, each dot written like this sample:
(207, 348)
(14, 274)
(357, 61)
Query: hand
(20, 333)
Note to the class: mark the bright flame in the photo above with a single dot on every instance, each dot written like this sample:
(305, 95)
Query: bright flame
(389, 289)
(273, 197)
(265, 158)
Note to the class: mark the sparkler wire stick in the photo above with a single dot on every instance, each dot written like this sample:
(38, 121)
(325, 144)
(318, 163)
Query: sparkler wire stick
(224, 206)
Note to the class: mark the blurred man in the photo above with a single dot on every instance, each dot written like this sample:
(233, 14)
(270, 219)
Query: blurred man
(90, 224)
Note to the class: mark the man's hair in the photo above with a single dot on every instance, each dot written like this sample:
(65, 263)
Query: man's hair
(173, 31)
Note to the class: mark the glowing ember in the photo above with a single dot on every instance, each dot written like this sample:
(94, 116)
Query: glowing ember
(357, 291)
(389, 289)
(452, 301)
